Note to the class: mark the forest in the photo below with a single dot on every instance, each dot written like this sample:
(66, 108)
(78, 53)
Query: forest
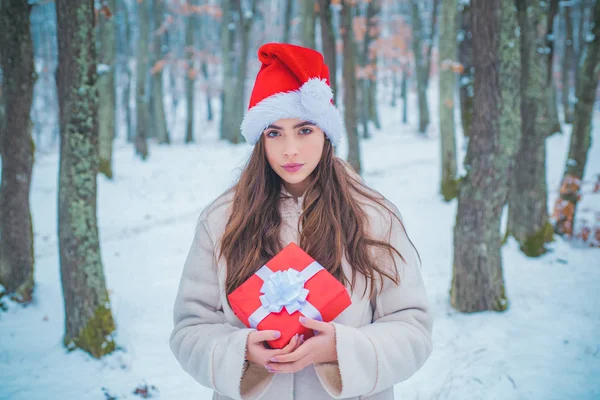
(120, 121)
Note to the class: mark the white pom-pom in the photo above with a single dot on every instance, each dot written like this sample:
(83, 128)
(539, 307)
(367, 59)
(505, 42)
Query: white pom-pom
(315, 95)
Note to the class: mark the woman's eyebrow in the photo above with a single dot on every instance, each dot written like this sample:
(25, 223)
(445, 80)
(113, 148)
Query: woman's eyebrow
(303, 123)
(273, 127)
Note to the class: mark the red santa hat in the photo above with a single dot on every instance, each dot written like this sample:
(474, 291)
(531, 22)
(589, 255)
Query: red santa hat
(293, 82)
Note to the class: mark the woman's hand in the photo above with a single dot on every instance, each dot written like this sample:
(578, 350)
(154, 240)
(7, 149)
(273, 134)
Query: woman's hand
(259, 354)
(317, 349)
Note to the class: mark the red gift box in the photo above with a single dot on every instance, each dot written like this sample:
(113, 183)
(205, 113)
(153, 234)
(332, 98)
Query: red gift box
(290, 285)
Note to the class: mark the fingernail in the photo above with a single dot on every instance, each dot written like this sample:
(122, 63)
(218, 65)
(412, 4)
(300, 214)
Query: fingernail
(277, 334)
(303, 320)
(274, 359)
(302, 338)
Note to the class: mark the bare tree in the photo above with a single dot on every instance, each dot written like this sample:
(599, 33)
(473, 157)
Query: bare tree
(88, 318)
(566, 205)
(465, 57)
(107, 42)
(447, 62)
(308, 24)
(423, 61)
(126, 45)
(477, 282)
(287, 21)
(17, 148)
(190, 77)
(328, 40)
(142, 88)
(350, 85)
(158, 109)
(567, 64)
(527, 213)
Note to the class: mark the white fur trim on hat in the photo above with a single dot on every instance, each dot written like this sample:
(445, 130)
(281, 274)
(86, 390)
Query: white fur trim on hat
(311, 103)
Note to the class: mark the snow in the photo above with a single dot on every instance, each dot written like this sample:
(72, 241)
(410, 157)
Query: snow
(545, 346)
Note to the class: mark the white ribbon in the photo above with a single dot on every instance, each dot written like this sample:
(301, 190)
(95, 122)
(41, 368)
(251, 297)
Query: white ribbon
(285, 289)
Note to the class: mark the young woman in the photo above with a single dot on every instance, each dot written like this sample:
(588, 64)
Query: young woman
(294, 189)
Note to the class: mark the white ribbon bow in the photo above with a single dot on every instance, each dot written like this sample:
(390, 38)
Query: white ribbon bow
(285, 289)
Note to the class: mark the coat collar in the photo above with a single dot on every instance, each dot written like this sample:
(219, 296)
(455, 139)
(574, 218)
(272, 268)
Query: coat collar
(290, 205)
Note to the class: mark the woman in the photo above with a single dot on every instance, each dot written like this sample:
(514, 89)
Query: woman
(294, 189)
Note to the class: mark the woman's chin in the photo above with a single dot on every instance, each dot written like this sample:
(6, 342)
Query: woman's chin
(292, 178)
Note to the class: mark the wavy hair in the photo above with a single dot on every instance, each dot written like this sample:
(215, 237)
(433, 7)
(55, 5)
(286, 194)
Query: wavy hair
(334, 223)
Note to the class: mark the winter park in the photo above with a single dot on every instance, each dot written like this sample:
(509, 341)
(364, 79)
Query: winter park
(189, 189)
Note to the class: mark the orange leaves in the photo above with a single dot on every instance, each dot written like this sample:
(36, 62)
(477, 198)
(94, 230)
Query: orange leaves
(104, 10)
(564, 212)
(368, 72)
(188, 9)
(158, 66)
(570, 185)
(454, 66)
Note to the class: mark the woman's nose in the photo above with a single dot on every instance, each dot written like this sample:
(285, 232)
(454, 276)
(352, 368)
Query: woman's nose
(291, 147)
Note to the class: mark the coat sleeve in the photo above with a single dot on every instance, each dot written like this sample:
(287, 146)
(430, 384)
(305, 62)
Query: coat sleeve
(208, 348)
(398, 341)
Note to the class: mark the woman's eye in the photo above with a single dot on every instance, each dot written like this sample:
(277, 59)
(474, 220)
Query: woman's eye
(305, 131)
(272, 134)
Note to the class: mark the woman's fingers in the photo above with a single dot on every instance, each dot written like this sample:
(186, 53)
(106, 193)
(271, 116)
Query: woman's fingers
(263, 336)
(316, 325)
(291, 345)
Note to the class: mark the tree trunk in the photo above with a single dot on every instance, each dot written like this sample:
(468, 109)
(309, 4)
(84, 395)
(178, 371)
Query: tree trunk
(363, 82)
(245, 21)
(230, 129)
(350, 85)
(447, 59)
(552, 110)
(16, 231)
(88, 319)
(581, 42)
(465, 57)
(308, 24)
(190, 78)
(209, 110)
(528, 215)
(328, 41)
(477, 281)
(107, 35)
(287, 23)
(158, 109)
(421, 68)
(566, 205)
(567, 63)
(142, 90)
(404, 95)
(372, 36)
(128, 75)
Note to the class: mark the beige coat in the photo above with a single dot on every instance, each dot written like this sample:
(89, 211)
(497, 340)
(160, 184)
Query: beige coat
(380, 341)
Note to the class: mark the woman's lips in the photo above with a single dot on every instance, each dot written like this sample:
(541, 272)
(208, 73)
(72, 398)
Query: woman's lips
(292, 167)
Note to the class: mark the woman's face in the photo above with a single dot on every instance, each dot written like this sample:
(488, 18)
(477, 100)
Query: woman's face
(293, 148)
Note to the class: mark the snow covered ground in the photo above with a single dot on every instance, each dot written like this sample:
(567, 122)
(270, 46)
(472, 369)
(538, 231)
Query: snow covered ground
(545, 346)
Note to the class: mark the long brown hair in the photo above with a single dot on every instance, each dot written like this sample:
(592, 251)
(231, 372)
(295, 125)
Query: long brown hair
(333, 222)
